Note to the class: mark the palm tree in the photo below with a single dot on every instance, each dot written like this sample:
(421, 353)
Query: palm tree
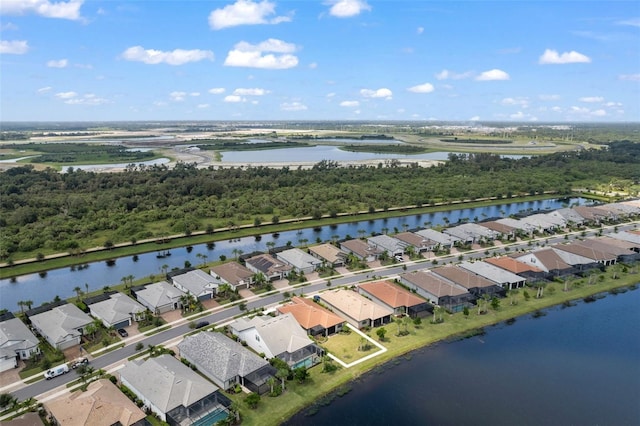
(78, 291)
(86, 287)
(22, 305)
(282, 374)
(272, 382)
(29, 303)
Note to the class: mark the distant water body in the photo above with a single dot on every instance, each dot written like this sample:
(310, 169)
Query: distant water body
(575, 366)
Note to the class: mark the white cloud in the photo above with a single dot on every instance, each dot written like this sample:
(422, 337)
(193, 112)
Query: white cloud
(66, 95)
(422, 88)
(549, 97)
(556, 109)
(379, 93)
(84, 66)
(475, 118)
(420, 30)
(634, 22)
(250, 92)
(44, 89)
(591, 99)
(87, 99)
(599, 113)
(175, 57)
(234, 98)
(446, 74)
(313, 65)
(194, 94)
(45, 8)
(350, 104)
(8, 26)
(551, 56)
(347, 8)
(14, 47)
(253, 56)
(613, 104)
(586, 112)
(629, 77)
(61, 63)
(293, 106)
(216, 90)
(494, 74)
(177, 96)
(521, 102)
(245, 12)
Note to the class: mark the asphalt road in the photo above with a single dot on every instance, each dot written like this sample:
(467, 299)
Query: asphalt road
(119, 356)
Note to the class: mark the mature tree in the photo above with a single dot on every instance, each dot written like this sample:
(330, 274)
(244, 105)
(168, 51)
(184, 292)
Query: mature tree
(381, 333)
(301, 374)
(252, 400)
(78, 291)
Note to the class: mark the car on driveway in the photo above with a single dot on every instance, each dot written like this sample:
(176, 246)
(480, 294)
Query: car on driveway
(122, 332)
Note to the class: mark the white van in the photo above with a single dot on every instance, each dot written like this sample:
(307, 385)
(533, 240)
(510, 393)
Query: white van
(56, 371)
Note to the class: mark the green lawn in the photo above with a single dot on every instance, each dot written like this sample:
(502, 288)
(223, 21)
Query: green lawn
(347, 347)
(273, 411)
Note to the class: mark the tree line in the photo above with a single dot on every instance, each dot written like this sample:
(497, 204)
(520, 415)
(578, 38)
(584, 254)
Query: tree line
(46, 211)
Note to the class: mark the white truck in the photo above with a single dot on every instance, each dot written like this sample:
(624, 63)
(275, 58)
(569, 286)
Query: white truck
(56, 371)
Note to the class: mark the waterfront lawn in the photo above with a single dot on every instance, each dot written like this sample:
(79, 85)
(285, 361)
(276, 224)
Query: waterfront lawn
(273, 411)
(346, 346)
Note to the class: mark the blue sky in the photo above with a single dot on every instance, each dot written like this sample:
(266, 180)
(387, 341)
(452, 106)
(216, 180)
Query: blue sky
(547, 61)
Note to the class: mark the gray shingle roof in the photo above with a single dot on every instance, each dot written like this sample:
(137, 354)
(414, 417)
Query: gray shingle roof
(61, 321)
(119, 307)
(219, 356)
(280, 334)
(159, 294)
(15, 336)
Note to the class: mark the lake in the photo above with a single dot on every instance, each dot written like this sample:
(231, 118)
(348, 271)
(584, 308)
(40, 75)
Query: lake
(41, 288)
(574, 366)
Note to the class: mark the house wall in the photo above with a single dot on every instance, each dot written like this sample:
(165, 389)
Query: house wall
(255, 342)
(8, 363)
(352, 321)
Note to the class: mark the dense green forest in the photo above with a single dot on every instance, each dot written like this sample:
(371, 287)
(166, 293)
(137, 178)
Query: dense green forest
(47, 211)
(81, 152)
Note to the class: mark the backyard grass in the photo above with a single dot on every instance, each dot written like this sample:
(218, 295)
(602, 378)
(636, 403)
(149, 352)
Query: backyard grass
(346, 347)
(273, 411)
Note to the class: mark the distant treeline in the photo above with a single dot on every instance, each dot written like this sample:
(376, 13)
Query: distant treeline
(249, 146)
(385, 149)
(46, 211)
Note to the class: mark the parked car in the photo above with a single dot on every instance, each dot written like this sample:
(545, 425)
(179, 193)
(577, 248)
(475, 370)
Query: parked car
(122, 332)
(56, 371)
(202, 324)
(78, 362)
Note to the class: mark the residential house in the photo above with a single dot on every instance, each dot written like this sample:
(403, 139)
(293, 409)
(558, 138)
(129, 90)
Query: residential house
(502, 230)
(569, 215)
(591, 215)
(159, 297)
(523, 227)
(443, 241)
(102, 404)
(269, 266)
(117, 310)
(361, 249)
(530, 272)
(195, 282)
(301, 261)
(329, 254)
(62, 326)
(392, 246)
(437, 290)
(503, 278)
(17, 342)
(547, 260)
(542, 223)
(623, 245)
(584, 250)
(226, 362)
(356, 309)
(419, 243)
(278, 337)
(474, 283)
(471, 233)
(312, 317)
(233, 274)
(394, 297)
(622, 250)
(172, 390)
(29, 418)
(628, 236)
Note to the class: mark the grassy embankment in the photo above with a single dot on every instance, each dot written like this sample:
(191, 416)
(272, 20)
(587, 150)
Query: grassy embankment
(319, 389)
(123, 249)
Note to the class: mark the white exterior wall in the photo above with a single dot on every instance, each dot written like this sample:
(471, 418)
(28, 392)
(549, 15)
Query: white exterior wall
(255, 342)
(7, 364)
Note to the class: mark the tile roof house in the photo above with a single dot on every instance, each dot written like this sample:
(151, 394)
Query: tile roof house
(269, 266)
(591, 214)
(329, 254)
(62, 326)
(417, 241)
(542, 223)
(503, 278)
(611, 246)
(171, 389)
(16, 342)
(234, 274)
(437, 290)
(30, 418)
(312, 317)
(117, 311)
(361, 249)
(102, 404)
(278, 337)
(547, 260)
(356, 309)
(631, 237)
(159, 297)
(443, 240)
(585, 250)
(525, 270)
(299, 260)
(226, 362)
(394, 297)
(195, 282)
(392, 246)
(500, 228)
(476, 284)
